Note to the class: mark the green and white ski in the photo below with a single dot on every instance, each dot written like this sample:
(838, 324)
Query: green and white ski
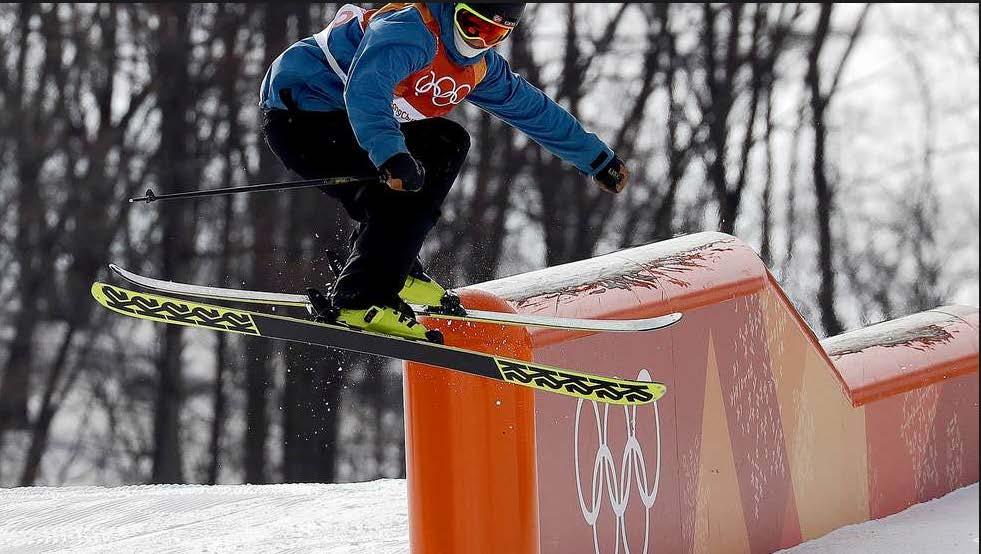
(176, 311)
(301, 301)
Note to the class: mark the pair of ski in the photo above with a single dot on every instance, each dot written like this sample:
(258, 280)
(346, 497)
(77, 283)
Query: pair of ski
(166, 309)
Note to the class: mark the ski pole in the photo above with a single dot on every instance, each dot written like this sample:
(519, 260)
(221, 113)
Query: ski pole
(286, 185)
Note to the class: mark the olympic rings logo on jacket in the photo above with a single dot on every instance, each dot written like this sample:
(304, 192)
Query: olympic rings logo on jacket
(443, 91)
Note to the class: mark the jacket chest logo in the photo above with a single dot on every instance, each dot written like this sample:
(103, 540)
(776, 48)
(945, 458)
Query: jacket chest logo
(443, 91)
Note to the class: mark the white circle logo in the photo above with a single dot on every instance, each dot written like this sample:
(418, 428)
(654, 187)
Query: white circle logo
(444, 91)
(618, 479)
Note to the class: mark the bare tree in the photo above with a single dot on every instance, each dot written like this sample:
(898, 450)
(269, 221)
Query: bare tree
(174, 173)
(820, 98)
(33, 147)
(85, 208)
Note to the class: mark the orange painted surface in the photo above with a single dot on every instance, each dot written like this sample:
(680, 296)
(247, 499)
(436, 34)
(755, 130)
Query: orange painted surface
(887, 359)
(470, 447)
(767, 437)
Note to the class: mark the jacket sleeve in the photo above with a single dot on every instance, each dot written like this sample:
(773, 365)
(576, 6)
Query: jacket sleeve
(523, 106)
(393, 47)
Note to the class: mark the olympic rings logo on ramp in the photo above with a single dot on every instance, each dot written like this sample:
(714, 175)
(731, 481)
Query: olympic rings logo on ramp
(617, 480)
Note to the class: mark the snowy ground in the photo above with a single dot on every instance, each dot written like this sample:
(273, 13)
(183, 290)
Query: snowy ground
(356, 518)
(948, 525)
(353, 518)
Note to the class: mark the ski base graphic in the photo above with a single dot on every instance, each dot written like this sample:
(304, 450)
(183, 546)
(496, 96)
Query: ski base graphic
(163, 309)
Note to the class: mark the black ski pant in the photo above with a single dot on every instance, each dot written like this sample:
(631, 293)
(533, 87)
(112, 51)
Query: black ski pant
(392, 225)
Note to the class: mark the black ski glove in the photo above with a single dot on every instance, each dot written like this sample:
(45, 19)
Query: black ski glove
(403, 172)
(614, 176)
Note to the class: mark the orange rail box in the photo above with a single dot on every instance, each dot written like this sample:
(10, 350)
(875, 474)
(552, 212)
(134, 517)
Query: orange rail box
(766, 438)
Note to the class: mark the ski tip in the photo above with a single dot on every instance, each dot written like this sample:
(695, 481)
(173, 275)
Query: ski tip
(658, 390)
(119, 271)
(107, 295)
(116, 270)
(98, 293)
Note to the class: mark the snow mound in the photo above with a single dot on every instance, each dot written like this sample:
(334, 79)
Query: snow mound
(948, 524)
(351, 518)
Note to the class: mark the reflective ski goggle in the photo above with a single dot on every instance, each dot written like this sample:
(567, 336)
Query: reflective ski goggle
(477, 28)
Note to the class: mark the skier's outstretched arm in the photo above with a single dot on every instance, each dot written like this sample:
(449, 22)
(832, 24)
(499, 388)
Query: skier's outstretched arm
(522, 105)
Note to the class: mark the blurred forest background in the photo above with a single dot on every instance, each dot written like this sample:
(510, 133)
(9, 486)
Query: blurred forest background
(839, 140)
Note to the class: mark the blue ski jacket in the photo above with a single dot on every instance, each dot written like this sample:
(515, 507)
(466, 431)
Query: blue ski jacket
(371, 62)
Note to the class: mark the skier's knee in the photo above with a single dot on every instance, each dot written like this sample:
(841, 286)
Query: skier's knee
(456, 138)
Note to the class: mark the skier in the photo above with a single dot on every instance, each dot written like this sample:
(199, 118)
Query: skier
(367, 95)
